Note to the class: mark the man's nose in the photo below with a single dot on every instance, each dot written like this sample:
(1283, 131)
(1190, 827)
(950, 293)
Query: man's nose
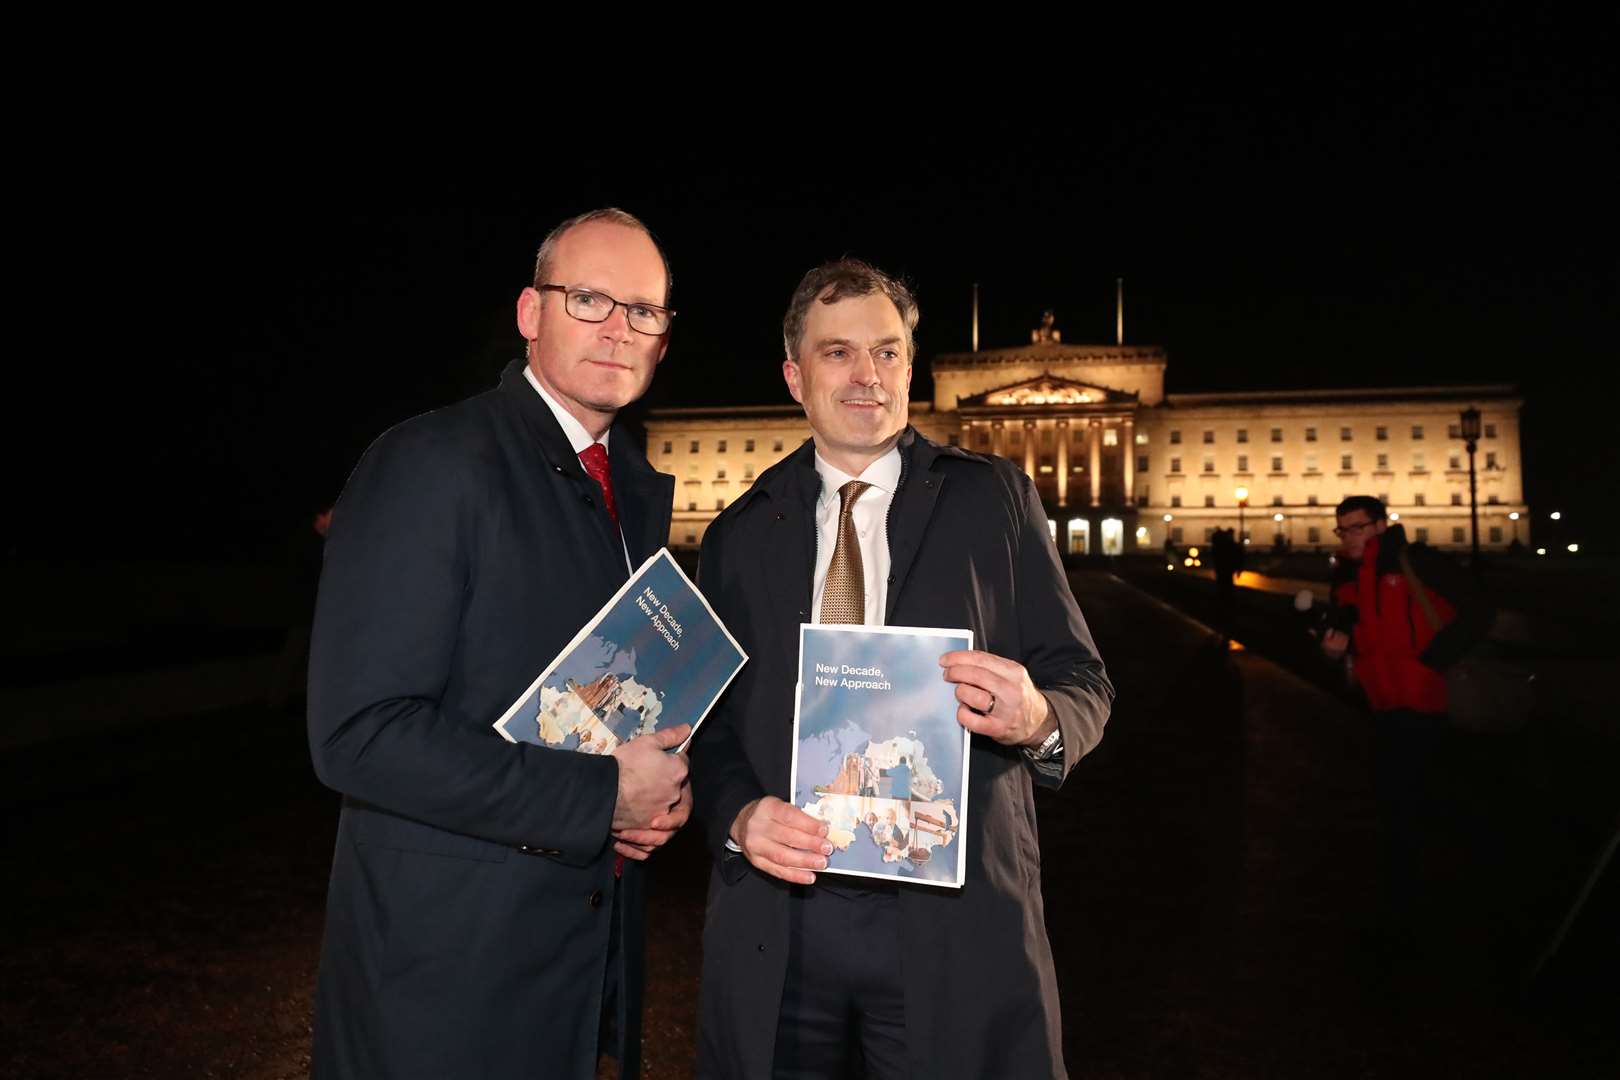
(864, 370)
(617, 325)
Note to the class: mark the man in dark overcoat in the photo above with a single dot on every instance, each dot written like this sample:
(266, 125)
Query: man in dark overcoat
(484, 912)
(869, 522)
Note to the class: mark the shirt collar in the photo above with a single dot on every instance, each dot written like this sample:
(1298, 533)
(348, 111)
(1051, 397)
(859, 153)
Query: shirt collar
(883, 474)
(578, 437)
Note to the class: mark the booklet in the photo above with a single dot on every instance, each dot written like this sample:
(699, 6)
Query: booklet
(655, 656)
(877, 751)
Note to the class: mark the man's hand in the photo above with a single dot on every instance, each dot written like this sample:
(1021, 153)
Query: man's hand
(639, 843)
(997, 698)
(781, 840)
(652, 783)
(1334, 644)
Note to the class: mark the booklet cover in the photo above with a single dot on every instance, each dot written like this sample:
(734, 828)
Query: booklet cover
(655, 656)
(877, 751)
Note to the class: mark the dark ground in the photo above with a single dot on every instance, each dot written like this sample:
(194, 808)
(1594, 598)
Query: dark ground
(1207, 877)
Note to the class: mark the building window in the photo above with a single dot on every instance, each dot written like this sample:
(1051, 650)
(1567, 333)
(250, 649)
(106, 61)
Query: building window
(1381, 433)
(1490, 431)
(1175, 464)
(1243, 435)
(1209, 500)
(1141, 463)
(1383, 461)
(1345, 434)
(1110, 437)
(1493, 500)
(1346, 462)
(748, 471)
(1456, 498)
(1209, 533)
(1313, 535)
(1310, 463)
(720, 473)
(1141, 438)
(777, 446)
(1276, 434)
(669, 446)
(1417, 431)
(691, 504)
(1420, 499)
(1422, 535)
(1276, 500)
(719, 504)
(1175, 534)
(1457, 535)
(1310, 434)
(1490, 459)
(1175, 437)
(748, 446)
(1454, 461)
(1243, 463)
(1453, 431)
(1175, 500)
(1209, 437)
(1276, 464)
(1418, 464)
(955, 438)
(1496, 534)
(1383, 497)
(1209, 463)
(1310, 500)
(691, 538)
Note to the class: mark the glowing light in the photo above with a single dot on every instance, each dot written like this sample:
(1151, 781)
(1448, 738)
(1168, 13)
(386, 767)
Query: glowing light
(1556, 516)
(1242, 494)
(1541, 551)
(1573, 548)
(1193, 552)
(1276, 517)
(1169, 517)
(1394, 517)
(1513, 516)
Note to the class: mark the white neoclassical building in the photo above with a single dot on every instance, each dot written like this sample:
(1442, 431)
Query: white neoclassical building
(1122, 466)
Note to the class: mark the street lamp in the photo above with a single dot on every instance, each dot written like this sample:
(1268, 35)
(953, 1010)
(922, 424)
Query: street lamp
(1242, 494)
(1470, 432)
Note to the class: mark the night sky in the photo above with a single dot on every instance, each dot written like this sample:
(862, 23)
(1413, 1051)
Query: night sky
(249, 305)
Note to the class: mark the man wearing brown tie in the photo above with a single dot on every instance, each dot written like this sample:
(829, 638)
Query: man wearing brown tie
(872, 523)
(484, 912)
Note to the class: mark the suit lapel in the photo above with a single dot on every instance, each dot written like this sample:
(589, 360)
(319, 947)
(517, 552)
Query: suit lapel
(788, 551)
(644, 498)
(909, 516)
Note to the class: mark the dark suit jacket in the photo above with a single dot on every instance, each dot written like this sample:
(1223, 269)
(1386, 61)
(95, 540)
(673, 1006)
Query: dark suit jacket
(468, 917)
(968, 547)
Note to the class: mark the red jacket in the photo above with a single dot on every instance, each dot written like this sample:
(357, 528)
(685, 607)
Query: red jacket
(1399, 657)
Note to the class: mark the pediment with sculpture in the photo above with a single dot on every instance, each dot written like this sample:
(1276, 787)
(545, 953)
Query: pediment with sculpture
(1047, 390)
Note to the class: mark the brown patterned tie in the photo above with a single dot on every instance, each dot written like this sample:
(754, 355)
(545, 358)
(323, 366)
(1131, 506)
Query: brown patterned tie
(843, 600)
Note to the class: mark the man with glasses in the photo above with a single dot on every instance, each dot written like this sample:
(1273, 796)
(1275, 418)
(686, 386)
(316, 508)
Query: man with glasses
(484, 911)
(1400, 661)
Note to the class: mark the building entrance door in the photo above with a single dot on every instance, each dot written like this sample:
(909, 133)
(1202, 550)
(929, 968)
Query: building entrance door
(1079, 537)
(1113, 536)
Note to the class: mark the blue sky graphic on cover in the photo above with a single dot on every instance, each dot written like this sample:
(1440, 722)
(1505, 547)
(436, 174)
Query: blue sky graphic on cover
(655, 656)
(878, 754)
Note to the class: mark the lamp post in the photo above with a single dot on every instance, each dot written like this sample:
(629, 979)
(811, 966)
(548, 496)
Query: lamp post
(1242, 494)
(1470, 432)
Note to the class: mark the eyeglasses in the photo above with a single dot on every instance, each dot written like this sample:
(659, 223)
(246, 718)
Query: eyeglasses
(588, 306)
(1344, 530)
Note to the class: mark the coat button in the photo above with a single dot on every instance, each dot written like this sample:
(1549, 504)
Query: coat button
(595, 899)
(558, 469)
(762, 948)
(781, 516)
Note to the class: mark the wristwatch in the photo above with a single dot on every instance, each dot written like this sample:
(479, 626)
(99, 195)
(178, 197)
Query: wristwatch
(1050, 747)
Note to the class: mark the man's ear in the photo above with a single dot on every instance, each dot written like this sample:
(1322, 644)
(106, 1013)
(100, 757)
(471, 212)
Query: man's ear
(790, 372)
(528, 314)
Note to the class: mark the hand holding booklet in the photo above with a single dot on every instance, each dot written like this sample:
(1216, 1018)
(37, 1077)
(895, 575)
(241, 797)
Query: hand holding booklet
(654, 657)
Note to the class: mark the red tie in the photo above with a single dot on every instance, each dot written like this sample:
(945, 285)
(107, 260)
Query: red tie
(594, 458)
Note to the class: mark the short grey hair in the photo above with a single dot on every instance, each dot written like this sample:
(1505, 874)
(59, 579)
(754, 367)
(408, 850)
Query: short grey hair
(833, 281)
(613, 216)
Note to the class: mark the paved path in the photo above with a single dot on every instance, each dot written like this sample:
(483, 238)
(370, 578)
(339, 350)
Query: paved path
(1207, 871)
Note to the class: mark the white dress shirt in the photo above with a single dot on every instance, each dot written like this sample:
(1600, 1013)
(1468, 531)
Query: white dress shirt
(871, 517)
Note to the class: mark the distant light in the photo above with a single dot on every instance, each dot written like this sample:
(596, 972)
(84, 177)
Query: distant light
(1541, 551)
(1169, 566)
(1169, 517)
(1555, 515)
(1276, 517)
(1245, 541)
(1573, 548)
(1513, 516)
(1193, 552)
(1242, 494)
(1187, 561)
(1394, 517)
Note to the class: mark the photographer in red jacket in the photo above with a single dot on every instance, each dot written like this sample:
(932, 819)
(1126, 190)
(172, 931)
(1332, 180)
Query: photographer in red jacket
(1399, 661)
